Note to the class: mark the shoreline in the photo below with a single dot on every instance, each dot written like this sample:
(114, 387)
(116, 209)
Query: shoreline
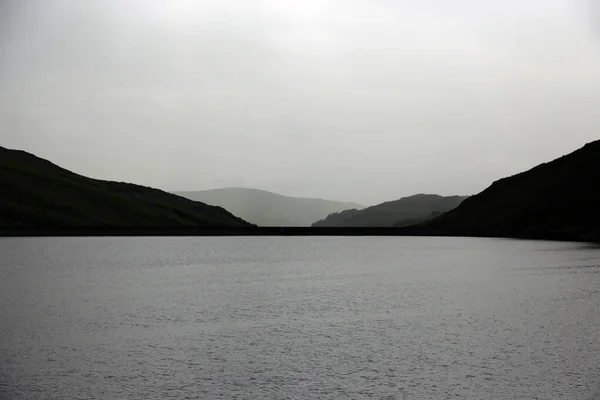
(282, 231)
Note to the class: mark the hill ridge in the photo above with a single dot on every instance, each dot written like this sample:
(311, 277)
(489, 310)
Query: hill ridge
(265, 208)
(404, 211)
(558, 198)
(267, 192)
(38, 192)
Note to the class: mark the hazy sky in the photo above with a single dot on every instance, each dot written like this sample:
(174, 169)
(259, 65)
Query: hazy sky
(358, 100)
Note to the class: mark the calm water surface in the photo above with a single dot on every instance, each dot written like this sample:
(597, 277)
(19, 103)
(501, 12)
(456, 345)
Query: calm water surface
(298, 318)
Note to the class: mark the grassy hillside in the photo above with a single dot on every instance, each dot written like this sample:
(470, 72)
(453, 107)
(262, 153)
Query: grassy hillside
(269, 209)
(406, 211)
(559, 199)
(36, 193)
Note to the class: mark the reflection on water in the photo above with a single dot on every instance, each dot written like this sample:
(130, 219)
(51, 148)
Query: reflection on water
(298, 318)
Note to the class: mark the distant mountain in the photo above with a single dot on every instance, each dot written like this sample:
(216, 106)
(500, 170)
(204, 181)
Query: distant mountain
(36, 193)
(269, 209)
(555, 200)
(406, 211)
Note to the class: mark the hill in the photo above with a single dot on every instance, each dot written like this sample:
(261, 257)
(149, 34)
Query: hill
(269, 209)
(555, 200)
(405, 211)
(37, 193)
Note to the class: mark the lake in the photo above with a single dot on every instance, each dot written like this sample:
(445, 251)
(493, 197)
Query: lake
(298, 318)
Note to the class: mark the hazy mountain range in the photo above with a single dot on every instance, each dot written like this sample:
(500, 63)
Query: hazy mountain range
(555, 200)
(405, 211)
(269, 209)
(36, 193)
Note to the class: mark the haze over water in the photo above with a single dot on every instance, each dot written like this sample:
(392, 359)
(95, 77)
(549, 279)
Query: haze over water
(298, 318)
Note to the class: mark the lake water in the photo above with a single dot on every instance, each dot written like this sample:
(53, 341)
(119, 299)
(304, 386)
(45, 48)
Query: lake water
(298, 318)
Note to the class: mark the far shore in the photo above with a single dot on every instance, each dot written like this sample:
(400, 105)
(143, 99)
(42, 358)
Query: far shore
(279, 231)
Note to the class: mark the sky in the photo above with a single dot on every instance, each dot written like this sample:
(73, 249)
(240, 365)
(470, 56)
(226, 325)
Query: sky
(353, 100)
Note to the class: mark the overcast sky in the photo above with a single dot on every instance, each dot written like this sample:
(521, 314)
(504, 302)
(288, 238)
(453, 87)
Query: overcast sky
(358, 100)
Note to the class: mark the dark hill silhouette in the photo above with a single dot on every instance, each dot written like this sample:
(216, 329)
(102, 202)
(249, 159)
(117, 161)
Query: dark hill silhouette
(37, 193)
(269, 209)
(555, 200)
(405, 211)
